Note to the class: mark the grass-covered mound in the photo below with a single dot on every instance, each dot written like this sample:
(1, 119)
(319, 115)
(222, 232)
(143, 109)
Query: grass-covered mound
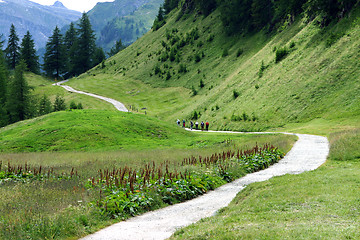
(97, 130)
(81, 130)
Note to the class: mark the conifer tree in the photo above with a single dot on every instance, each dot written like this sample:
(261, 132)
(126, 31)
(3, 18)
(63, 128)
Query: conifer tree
(3, 87)
(18, 98)
(59, 104)
(55, 56)
(86, 46)
(170, 5)
(28, 53)
(160, 19)
(117, 48)
(99, 56)
(45, 105)
(12, 50)
(70, 42)
(3, 77)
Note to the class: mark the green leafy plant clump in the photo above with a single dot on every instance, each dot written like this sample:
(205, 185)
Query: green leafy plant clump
(27, 173)
(127, 192)
(280, 54)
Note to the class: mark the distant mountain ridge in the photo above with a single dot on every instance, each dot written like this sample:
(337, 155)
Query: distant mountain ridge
(38, 19)
(122, 19)
(59, 5)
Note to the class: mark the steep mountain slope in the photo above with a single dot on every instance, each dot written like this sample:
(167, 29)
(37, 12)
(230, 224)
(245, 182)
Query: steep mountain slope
(235, 82)
(122, 19)
(38, 19)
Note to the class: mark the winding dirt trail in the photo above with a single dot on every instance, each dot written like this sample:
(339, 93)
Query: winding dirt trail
(118, 105)
(307, 154)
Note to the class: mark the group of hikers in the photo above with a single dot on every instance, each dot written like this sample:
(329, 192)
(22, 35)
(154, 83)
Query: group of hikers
(203, 126)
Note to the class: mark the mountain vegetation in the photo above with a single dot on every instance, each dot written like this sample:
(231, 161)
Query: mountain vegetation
(39, 20)
(74, 53)
(12, 50)
(122, 20)
(28, 54)
(274, 63)
(239, 64)
(17, 101)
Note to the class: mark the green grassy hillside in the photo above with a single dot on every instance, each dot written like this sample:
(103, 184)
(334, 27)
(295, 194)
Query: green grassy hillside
(100, 130)
(241, 79)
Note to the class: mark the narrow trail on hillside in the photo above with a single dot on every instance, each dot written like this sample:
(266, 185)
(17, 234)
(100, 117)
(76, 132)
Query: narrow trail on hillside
(307, 154)
(118, 105)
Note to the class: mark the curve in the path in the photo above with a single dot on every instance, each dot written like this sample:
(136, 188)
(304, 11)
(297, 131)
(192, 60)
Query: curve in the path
(118, 105)
(307, 154)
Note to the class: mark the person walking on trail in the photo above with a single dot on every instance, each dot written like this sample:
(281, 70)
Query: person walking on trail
(207, 125)
(191, 125)
(202, 125)
(183, 123)
(197, 126)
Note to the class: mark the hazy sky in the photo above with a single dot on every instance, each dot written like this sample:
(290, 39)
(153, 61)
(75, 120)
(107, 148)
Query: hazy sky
(79, 5)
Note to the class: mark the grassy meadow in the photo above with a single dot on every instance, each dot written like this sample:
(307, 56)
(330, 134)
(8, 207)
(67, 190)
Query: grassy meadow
(64, 208)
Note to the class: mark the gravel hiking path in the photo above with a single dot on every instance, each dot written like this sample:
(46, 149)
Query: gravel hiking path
(307, 154)
(118, 105)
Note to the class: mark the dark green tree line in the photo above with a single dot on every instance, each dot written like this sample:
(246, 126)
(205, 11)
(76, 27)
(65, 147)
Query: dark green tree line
(16, 101)
(246, 15)
(72, 54)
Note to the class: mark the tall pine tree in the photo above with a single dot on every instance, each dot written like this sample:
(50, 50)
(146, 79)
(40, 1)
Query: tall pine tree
(18, 100)
(3, 77)
(70, 42)
(28, 53)
(55, 56)
(86, 46)
(3, 87)
(12, 50)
